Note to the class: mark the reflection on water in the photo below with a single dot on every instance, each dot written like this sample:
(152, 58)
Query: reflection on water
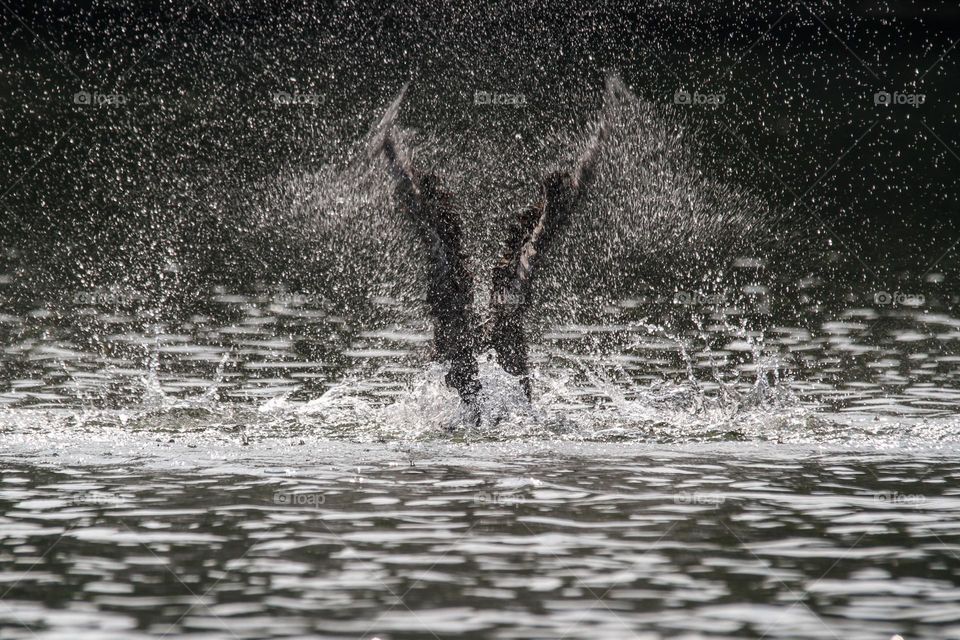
(218, 416)
(488, 542)
(274, 468)
(270, 470)
(295, 356)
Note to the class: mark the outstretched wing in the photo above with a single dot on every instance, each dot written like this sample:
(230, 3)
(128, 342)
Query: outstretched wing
(385, 142)
(431, 209)
(582, 173)
(532, 233)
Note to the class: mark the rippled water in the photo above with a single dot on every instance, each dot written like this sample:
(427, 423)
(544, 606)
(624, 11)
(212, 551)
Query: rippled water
(217, 482)
(274, 469)
(342, 540)
(862, 374)
(219, 417)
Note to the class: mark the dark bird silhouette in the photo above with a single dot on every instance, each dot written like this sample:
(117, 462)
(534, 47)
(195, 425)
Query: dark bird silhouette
(450, 291)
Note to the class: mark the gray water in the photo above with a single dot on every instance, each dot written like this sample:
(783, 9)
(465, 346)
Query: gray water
(182, 489)
(544, 540)
(219, 417)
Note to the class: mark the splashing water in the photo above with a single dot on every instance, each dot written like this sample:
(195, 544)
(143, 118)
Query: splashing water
(655, 238)
(219, 412)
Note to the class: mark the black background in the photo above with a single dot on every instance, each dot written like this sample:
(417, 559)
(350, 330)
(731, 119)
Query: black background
(182, 156)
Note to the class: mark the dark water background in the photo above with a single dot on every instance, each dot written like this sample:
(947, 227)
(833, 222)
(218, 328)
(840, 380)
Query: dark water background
(199, 129)
(490, 543)
(218, 417)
